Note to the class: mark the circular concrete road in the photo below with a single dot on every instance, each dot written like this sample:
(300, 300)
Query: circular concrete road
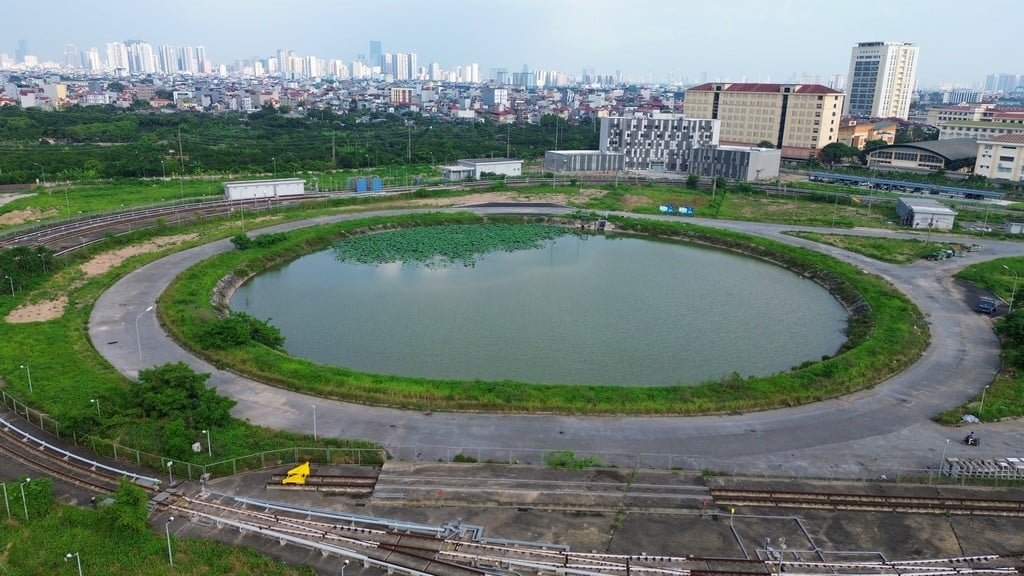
(883, 431)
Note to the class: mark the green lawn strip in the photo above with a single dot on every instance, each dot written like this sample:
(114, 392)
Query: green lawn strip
(1004, 397)
(40, 546)
(883, 341)
(892, 250)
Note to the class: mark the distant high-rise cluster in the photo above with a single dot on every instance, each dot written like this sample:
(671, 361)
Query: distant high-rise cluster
(882, 79)
(133, 57)
(1003, 82)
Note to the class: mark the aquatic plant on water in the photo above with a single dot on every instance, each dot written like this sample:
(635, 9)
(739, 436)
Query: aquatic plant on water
(443, 246)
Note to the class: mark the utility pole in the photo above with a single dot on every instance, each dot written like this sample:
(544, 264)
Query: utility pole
(334, 151)
(181, 153)
(508, 141)
(409, 145)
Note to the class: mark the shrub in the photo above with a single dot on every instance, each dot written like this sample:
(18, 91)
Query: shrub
(567, 459)
(239, 329)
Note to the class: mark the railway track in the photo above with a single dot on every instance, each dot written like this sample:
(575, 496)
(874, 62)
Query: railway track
(336, 484)
(58, 463)
(725, 498)
(593, 494)
(456, 550)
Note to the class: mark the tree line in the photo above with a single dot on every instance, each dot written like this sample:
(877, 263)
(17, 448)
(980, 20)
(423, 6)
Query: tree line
(105, 142)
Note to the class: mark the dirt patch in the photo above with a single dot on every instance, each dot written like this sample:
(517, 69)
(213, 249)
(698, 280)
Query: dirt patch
(15, 217)
(104, 262)
(631, 201)
(38, 312)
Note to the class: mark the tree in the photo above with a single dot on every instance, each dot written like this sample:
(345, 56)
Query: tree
(129, 510)
(868, 147)
(837, 151)
(1011, 328)
(171, 390)
(765, 144)
(692, 181)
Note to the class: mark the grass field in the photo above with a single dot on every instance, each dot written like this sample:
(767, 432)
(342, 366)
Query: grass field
(892, 250)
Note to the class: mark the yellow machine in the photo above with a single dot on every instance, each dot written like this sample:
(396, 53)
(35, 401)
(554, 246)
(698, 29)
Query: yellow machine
(297, 475)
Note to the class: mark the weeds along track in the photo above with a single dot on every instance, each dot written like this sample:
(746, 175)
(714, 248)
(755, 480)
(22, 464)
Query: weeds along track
(727, 497)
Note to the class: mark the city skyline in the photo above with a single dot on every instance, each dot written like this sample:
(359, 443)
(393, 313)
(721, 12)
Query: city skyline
(736, 41)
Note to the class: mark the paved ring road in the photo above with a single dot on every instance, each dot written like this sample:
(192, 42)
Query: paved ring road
(867, 434)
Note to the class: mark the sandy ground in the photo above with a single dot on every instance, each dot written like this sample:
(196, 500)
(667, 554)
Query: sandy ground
(104, 262)
(38, 311)
(16, 217)
(51, 309)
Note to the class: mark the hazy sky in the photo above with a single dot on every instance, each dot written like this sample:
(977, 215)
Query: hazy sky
(657, 39)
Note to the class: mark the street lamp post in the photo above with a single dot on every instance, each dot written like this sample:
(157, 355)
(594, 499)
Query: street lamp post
(96, 401)
(209, 447)
(29, 373)
(170, 477)
(343, 565)
(274, 160)
(1013, 293)
(24, 501)
(7, 503)
(138, 337)
(942, 461)
(313, 406)
(78, 560)
(981, 408)
(167, 530)
(11, 280)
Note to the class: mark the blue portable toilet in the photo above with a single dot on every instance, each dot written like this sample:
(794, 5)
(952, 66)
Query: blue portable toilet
(360, 184)
(376, 185)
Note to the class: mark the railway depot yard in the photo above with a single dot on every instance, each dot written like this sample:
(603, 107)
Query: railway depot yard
(647, 512)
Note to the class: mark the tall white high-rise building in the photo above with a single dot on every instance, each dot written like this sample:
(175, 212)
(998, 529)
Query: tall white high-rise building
(91, 60)
(187, 60)
(168, 60)
(881, 80)
(401, 66)
(117, 58)
(71, 59)
(141, 59)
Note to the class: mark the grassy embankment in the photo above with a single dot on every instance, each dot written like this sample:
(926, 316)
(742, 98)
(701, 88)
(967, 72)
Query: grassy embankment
(1004, 397)
(40, 544)
(891, 250)
(883, 341)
